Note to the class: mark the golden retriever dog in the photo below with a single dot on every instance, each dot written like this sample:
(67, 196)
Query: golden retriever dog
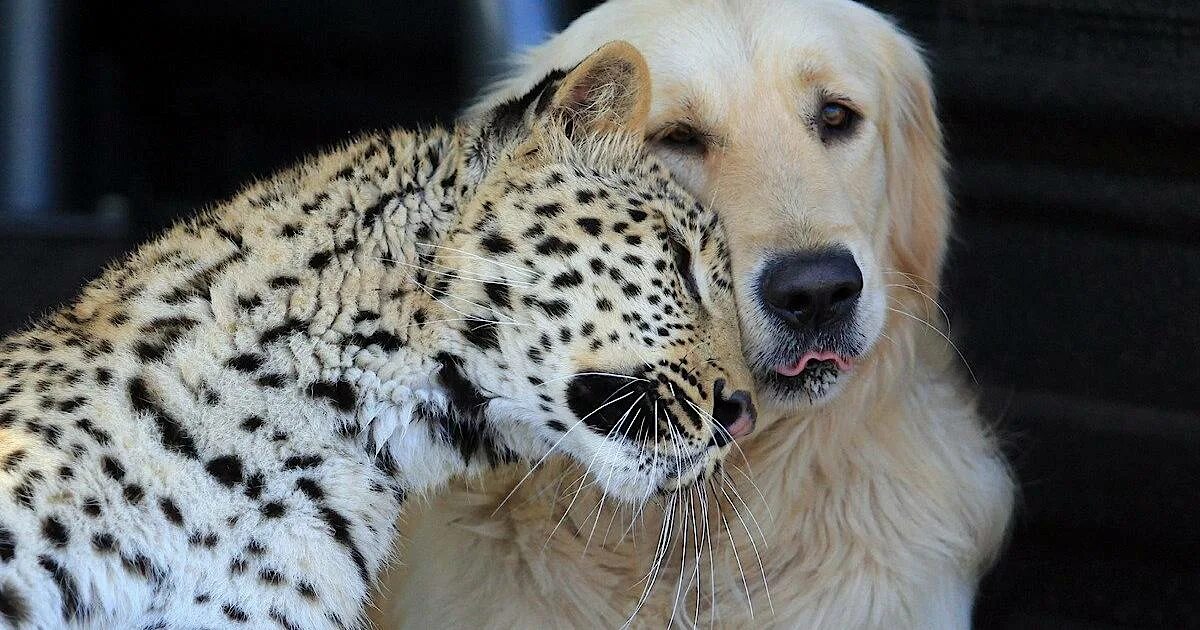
(872, 494)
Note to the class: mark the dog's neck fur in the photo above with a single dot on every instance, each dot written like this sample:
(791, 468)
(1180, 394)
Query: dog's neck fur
(874, 437)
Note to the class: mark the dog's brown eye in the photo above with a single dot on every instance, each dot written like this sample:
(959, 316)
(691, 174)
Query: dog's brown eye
(835, 120)
(834, 114)
(682, 138)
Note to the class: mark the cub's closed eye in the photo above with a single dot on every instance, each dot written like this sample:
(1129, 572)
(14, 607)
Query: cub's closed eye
(683, 266)
(682, 137)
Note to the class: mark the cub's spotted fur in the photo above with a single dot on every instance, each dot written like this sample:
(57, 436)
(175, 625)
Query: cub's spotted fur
(221, 431)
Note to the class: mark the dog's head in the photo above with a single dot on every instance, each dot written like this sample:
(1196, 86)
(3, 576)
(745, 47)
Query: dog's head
(810, 127)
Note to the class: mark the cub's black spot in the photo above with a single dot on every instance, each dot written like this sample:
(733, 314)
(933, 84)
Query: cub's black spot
(273, 380)
(234, 613)
(171, 511)
(590, 225)
(548, 210)
(567, 279)
(112, 468)
(462, 427)
(271, 576)
(310, 488)
(497, 244)
(320, 260)
(230, 236)
(71, 404)
(382, 338)
(248, 302)
(555, 245)
(149, 351)
(246, 362)
(99, 435)
(481, 333)
(207, 540)
(55, 532)
(302, 461)
(23, 492)
(7, 544)
(13, 607)
(7, 395)
(585, 196)
(104, 542)
(252, 423)
(557, 426)
(273, 509)
(141, 566)
(365, 316)
(307, 591)
(637, 215)
(340, 394)
(371, 215)
(91, 506)
(227, 469)
(133, 493)
(290, 230)
(281, 619)
(341, 533)
(604, 305)
(498, 293)
(174, 437)
(66, 586)
(555, 308)
(289, 327)
(13, 459)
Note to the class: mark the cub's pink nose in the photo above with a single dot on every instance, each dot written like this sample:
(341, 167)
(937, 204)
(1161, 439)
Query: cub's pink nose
(734, 412)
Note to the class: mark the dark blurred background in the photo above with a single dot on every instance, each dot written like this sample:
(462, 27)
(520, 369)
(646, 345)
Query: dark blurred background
(1074, 286)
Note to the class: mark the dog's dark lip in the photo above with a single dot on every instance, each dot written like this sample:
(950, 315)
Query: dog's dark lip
(817, 379)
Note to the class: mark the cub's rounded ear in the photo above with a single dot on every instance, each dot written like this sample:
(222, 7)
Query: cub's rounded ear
(608, 91)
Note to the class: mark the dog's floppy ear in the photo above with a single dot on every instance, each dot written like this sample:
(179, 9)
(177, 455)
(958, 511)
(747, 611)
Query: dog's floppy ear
(606, 92)
(916, 187)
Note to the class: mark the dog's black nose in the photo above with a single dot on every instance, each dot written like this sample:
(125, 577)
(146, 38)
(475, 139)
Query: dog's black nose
(812, 289)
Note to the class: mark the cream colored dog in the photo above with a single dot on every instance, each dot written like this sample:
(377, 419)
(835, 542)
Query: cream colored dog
(877, 497)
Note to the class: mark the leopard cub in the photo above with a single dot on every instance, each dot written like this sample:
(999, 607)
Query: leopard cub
(223, 428)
